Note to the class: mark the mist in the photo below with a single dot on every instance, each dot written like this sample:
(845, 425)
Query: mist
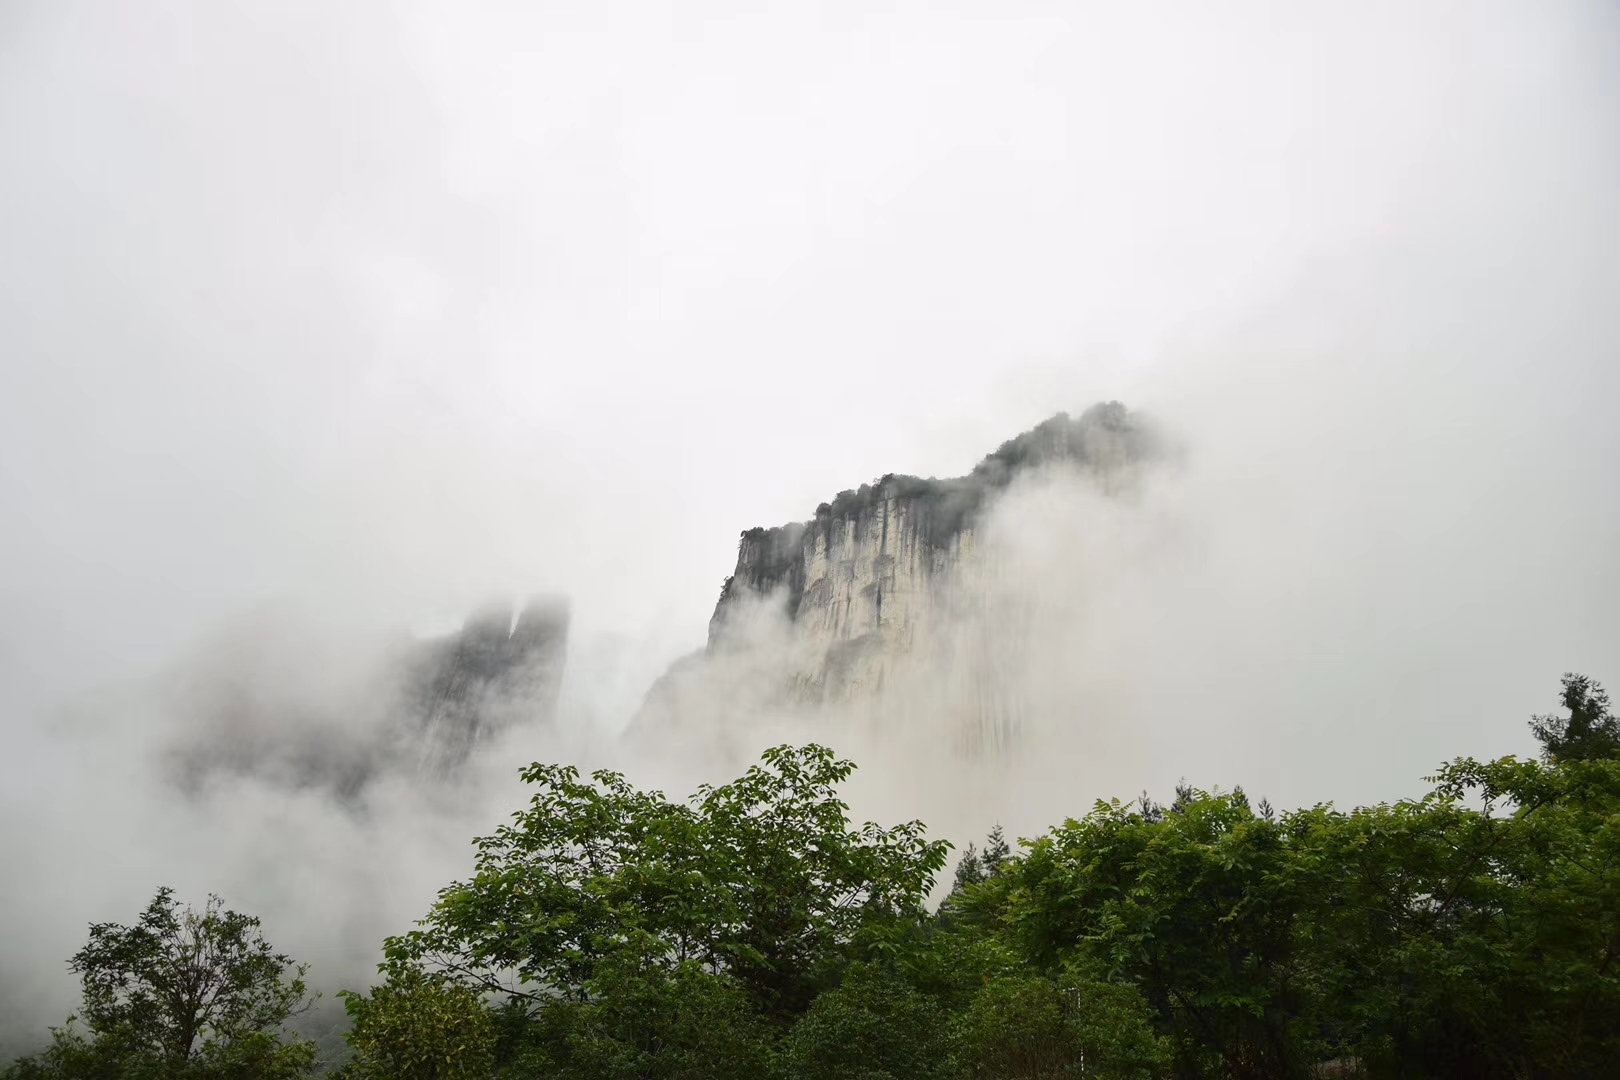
(366, 316)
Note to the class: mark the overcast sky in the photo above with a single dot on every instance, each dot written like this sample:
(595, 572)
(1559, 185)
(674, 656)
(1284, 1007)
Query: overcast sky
(377, 309)
(399, 303)
(380, 308)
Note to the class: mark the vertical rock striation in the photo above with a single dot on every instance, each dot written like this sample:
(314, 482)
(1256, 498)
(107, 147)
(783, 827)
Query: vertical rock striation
(503, 669)
(889, 584)
(273, 701)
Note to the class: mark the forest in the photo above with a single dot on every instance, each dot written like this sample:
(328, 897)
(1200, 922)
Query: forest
(755, 931)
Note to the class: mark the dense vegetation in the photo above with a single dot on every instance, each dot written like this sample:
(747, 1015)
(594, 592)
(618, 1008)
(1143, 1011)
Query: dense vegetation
(181, 993)
(752, 932)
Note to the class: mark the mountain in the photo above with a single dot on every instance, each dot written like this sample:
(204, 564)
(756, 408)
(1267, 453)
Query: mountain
(273, 699)
(888, 590)
(502, 669)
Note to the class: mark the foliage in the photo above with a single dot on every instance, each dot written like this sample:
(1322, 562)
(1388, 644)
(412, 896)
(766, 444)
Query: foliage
(1195, 909)
(182, 993)
(996, 853)
(1471, 932)
(418, 1027)
(612, 934)
(1026, 1026)
(873, 1027)
(76, 1055)
(974, 869)
(1105, 435)
(1498, 947)
(969, 870)
(940, 956)
(1113, 1025)
(761, 879)
(681, 1024)
(1018, 1026)
(1589, 731)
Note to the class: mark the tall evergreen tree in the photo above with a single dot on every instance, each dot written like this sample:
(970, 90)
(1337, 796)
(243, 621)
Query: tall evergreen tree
(996, 852)
(969, 870)
(1589, 731)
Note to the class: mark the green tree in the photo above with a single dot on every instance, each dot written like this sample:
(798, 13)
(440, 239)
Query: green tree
(798, 884)
(1477, 930)
(996, 853)
(182, 993)
(873, 1027)
(1472, 932)
(1589, 731)
(1017, 1028)
(761, 880)
(945, 957)
(969, 870)
(1025, 1026)
(1196, 908)
(612, 934)
(418, 1027)
(684, 1023)
(1114, 1027)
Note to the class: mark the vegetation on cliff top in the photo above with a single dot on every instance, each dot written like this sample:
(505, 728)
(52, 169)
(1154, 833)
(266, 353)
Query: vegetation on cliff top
(1105, 435)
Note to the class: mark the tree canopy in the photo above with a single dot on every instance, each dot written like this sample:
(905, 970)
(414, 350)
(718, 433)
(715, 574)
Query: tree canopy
(181, 993)
(752, 931)
(1589, 731)
(761, 880)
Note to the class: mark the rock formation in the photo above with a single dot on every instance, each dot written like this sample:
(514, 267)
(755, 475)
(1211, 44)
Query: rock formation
(271, 700)
(886, 588)
(503, 668)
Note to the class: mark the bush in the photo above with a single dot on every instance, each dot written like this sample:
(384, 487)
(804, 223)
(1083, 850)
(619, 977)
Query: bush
(1028, 1027)
(873, 1027)
(417, 1027)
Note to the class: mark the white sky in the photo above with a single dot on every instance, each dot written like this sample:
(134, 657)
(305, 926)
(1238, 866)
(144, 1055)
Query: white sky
(387, 306)
(376, 309)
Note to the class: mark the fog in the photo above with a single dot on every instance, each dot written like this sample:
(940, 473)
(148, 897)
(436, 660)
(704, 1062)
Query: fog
(367, 314)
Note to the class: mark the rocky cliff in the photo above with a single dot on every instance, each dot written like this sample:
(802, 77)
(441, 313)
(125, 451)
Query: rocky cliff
(503, 668)
(272, 700)
(888, 584)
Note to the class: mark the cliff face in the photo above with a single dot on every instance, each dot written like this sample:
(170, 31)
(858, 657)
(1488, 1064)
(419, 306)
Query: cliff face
(889, 583)
(858, 584)
(504, 668)
(274, 702)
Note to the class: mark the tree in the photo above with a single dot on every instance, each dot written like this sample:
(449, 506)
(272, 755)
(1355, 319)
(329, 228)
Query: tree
(761, 879)
(1505, 950)
(685, 1023)
(1589, 731)
(873, 1027)
(418, 1027)
(181, 993)
(612, 934)
(799, 884)
(996, 853)
(1472, 932)
(1017, 1028)
(1026, 1026)
(969, 870)
(1195, 908)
